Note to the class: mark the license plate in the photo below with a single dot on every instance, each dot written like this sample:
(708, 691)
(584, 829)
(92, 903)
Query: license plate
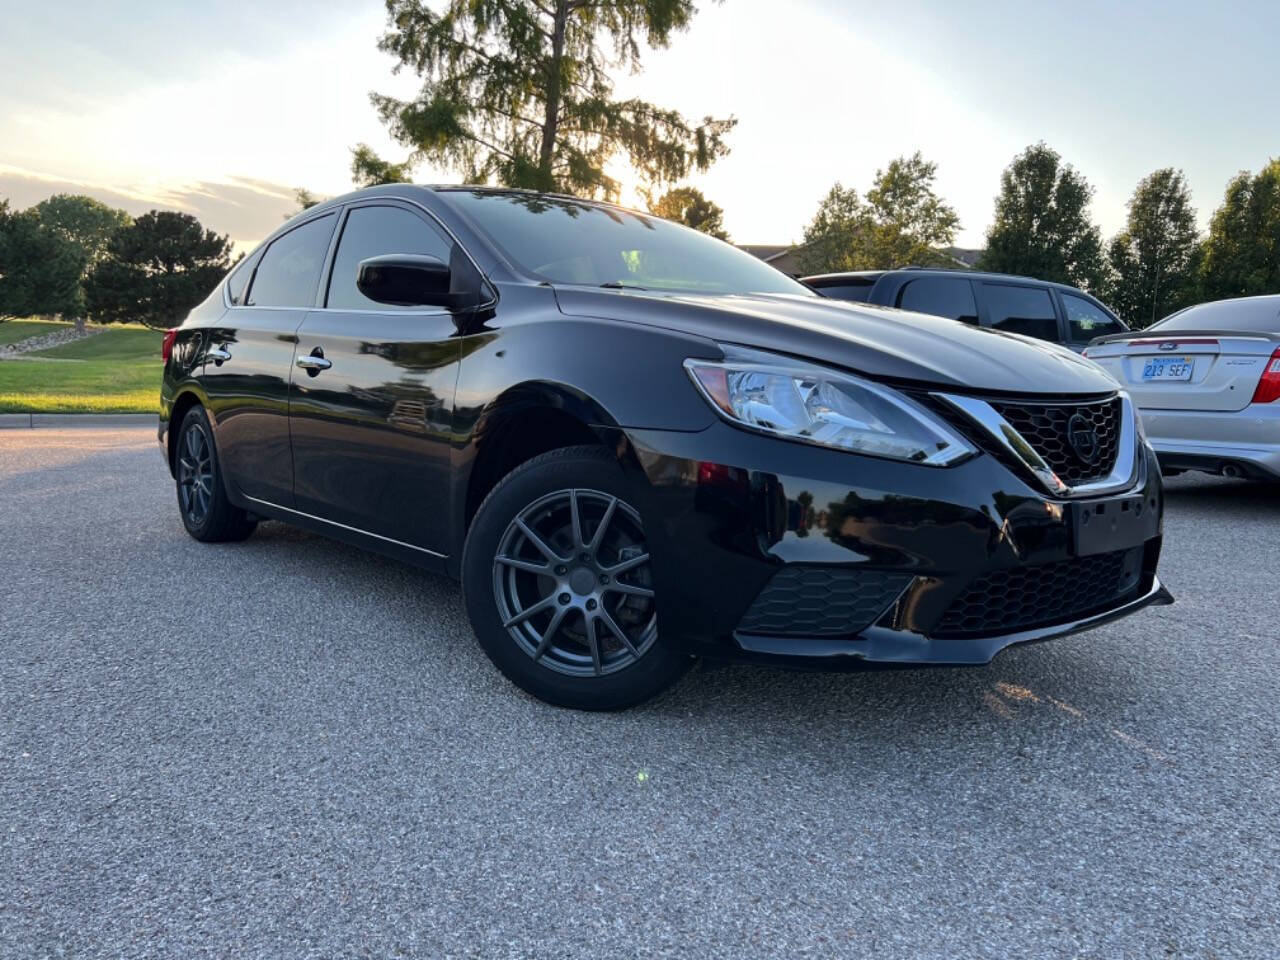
(1167, 368)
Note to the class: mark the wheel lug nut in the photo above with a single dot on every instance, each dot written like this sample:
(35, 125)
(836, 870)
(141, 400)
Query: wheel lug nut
(591, 604)
(604, 578)
(564, 598)
(585, 558)
(560, 570)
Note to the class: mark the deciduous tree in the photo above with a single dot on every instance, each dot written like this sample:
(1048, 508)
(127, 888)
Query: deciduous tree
(1242, 250)
(40, 268)
(835, 238)
(1155, 258)
(89, 225)
(156, 270)
(689, 206)
(1042, 227)
(519, 92)
(909, 221)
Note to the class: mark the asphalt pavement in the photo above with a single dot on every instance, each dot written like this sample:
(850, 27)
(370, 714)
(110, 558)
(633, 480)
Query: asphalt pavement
(289, 748)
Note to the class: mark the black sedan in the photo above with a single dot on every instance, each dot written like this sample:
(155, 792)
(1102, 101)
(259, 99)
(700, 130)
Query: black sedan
(635, 444)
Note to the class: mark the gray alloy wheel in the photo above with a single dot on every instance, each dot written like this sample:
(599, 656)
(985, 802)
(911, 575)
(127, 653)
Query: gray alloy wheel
(195, 472)
(206, 512)
(572, 583)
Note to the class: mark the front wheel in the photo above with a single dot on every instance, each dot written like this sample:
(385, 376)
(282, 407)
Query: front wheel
(558, 584)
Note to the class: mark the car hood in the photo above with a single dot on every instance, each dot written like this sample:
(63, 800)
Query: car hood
(877, 341)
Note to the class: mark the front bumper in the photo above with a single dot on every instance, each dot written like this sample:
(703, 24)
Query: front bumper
(1248, 439)
(731, 510)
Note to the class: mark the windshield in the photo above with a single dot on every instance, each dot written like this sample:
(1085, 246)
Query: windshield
(1248, 314)
(567, 241)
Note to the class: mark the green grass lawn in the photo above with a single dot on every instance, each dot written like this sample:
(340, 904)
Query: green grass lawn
(14, 330)
(113, 372)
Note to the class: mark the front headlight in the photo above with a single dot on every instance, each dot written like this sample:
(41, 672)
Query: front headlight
(798, 401)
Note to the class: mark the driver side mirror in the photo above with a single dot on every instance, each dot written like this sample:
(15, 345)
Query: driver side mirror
(406, 280)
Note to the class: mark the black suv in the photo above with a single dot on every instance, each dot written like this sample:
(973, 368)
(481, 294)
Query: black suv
(1034, 308)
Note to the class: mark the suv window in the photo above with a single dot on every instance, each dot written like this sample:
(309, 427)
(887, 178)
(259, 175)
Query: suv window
(290, 268)
(1087, 320)
(1025, 310)
(374, 232)
(950, 297)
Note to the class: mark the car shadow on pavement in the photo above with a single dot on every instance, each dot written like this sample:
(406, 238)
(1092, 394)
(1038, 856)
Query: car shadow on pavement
(1026, 694)
(1218, 493)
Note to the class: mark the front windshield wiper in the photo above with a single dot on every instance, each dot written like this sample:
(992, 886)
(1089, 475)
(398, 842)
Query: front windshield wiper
(616, 285)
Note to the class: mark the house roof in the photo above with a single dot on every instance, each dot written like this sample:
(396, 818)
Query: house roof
(766, 251)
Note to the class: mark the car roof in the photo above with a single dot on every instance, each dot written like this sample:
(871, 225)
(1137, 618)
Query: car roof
(1255, 309)
(405, 190)
(872, 275)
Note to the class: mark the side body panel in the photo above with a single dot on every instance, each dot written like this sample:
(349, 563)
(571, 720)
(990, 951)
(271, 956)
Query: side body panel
(371, 434)
(246, 359)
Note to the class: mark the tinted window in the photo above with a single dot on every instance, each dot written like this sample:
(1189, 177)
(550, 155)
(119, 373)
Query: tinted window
(1024, 310)
(290, 269)
(1248, 314)
(373, 232)
(568, 241)
(1087, 320)
(858, 292)
(942, 296)
(240, 278)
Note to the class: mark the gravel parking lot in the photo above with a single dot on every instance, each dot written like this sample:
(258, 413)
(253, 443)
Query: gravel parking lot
(287, 748)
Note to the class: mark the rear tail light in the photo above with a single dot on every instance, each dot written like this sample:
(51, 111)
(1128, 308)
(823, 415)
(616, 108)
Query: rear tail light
(166, 345)
(1269, 386)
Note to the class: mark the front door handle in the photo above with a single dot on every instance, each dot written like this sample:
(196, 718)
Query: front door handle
(314, 363)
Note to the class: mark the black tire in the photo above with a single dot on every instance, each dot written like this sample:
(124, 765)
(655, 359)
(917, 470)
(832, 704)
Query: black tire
(585, 636)
(202, 496)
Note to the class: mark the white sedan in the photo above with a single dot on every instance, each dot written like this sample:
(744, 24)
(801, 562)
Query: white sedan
(1207, 382)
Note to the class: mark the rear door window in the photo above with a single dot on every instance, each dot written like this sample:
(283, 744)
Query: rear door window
(289, 271)
(1025, 310)
(1086, 320)
(374, 232)
(950, 297)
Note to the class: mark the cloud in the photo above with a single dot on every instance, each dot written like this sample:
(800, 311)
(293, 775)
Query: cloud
(247, 208)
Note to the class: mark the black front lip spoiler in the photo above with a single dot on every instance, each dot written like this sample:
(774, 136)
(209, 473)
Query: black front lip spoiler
(885, 647)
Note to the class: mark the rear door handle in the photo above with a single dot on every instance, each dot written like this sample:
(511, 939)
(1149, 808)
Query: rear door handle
(217, 354)
(314, 363)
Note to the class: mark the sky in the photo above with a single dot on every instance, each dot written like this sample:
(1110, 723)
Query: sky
(223, 108)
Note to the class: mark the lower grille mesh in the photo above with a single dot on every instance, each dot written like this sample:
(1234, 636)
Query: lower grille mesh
(1024, 597)
(822, 601)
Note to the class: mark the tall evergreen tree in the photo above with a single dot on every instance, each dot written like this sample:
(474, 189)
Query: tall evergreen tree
(519, 92)
(1042, 227)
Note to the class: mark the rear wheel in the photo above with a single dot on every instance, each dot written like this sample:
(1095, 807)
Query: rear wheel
(558, 584)
(202, 499)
